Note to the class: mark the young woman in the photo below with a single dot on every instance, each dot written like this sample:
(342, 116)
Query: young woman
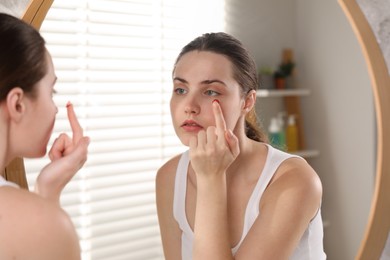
(32, 224)
(231, 195)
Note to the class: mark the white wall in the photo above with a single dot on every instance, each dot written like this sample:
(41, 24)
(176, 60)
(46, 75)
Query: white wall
(265, 28)
(343, 123)
(339, 114)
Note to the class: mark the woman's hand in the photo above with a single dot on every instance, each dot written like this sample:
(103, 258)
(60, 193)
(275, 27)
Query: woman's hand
(211, 153)
(213, 150)
(67, 156)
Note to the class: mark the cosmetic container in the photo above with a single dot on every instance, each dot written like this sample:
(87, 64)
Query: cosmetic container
(274, 133)
(292, 134)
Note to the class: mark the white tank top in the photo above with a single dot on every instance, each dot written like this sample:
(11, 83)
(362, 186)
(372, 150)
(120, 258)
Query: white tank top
(4, 182)
(309, 248)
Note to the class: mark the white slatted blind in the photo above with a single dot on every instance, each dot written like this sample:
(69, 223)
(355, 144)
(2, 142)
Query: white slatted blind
(113, 59)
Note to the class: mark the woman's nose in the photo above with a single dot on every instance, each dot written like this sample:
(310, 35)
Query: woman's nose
(192, 107)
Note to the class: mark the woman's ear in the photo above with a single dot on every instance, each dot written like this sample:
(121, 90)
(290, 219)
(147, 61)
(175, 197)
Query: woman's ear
(16, 104)
(250, 101)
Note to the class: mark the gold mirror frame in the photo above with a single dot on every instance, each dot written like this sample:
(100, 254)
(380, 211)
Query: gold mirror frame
(378, 225)
(34, 14)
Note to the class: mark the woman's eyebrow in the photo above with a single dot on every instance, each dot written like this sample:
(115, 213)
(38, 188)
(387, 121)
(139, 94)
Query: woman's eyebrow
(180, 79)
(211, 81)
(204, 82)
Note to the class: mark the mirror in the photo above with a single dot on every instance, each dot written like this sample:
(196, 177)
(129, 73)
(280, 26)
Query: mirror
(329, 34)
(371, 23)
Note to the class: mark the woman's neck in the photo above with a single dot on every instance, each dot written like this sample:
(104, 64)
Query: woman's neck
(247, 145)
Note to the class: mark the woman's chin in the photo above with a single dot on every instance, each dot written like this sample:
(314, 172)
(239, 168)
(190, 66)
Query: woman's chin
(38, 154)
(185, 141)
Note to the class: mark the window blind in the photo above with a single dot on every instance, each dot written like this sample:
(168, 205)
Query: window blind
(113, 60)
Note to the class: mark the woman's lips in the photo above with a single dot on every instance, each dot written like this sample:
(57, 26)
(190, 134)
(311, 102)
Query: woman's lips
(191, 126)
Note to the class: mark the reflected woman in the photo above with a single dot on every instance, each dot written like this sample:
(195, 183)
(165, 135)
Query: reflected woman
(231, 195)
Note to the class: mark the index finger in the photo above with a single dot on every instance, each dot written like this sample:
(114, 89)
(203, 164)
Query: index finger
(74, 123)
(220, 123)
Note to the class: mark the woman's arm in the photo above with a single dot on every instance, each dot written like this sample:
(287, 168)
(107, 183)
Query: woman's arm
(287, 206)
(34, 228)
(169, 228)
(211, 153)
(212, 239)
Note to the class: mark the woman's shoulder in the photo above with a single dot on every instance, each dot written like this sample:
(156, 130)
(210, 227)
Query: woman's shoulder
(167, 171)
(34, 228)
(165, 186)
(297, 187)
(302, 181)
(296, 170)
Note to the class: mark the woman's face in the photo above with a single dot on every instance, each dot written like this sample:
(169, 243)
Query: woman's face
(40, 117)
(198, 79)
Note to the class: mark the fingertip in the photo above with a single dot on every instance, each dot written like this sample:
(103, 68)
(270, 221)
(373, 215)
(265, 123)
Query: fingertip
(74, 123)
(69, 108)
(216, 103)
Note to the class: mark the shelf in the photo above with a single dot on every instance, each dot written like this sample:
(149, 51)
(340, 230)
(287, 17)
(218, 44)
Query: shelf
(307, 153)
(291, 99)
(282, 92)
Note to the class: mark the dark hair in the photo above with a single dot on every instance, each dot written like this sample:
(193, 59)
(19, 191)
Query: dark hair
(244, 70)
(22, 56)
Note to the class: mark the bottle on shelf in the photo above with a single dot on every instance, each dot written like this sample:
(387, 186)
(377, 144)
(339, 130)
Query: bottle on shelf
(275, 134)
(281, 119)
(292, 134)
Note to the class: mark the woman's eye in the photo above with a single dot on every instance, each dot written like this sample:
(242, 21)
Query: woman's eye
(211, 93)
(53, 92)
(180, 91)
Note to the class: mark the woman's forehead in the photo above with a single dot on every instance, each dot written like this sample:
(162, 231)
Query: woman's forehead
(204, 62)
